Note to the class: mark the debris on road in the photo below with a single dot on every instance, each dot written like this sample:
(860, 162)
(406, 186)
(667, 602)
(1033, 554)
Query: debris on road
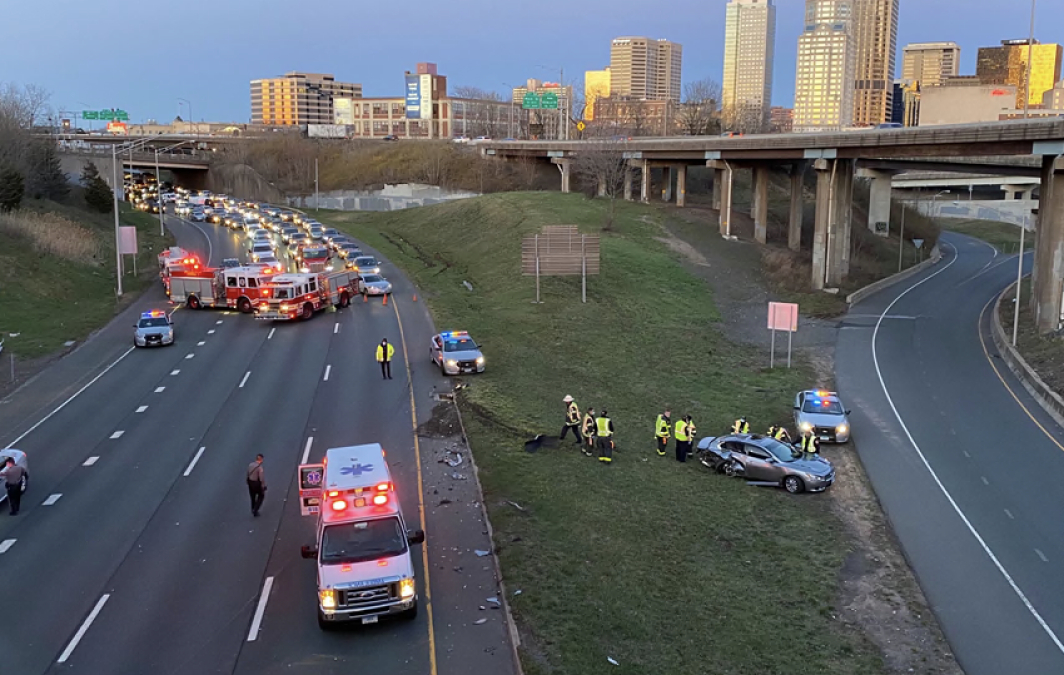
(612, 660)
(458, 476)
(479, 622)
(494, 599)
(481, 554)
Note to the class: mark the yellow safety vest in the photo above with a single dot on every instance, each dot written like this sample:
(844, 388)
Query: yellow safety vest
(691, 431)
(603, 426)
(809, 443)
(740, 428)
(380, 352)
(589, 425)
(681, 431)
(780, 434)
(662, 427)
(573, 413)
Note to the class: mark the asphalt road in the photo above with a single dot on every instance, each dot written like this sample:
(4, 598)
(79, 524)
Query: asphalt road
(136, 550)
(969, 469)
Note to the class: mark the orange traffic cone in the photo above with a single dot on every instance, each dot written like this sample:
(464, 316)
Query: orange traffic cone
(415, 297)
(385, 299)
(365, 298)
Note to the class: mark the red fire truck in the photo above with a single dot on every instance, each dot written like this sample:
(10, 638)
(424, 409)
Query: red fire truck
(226, 288)
(298, 296)
(313, 258)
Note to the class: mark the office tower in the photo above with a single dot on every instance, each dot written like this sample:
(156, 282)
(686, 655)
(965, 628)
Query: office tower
(1007, 64)
(642, 68)
(929, 63)
(875, 34)
(596, 86)
(824, 84)
(749, 50)
(298, 98)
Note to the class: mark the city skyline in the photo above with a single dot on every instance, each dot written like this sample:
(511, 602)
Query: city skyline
(214, 77)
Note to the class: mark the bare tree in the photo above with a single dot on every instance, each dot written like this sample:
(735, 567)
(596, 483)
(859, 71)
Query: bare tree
(601, 166)
(482, 112)
(745, 118)
(21, 108)
(699, 114)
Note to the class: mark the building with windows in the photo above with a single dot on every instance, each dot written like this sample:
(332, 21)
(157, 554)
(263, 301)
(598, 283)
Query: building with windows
(749, 52)
(929, 63)
(298, 99)
(596, 86)
(965, 100)
(1054, 98)
(906, 103)
(781, 120)
(546, 122)
(875, 35)
(1007, 65)
(643, 68)
(826, 70)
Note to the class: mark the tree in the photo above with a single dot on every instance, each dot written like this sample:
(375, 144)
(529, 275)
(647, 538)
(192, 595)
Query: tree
(45, 178)
(482, 112)
(699, 114)
(98, 195)
(745, 118)
(11, 189)
(601, 167)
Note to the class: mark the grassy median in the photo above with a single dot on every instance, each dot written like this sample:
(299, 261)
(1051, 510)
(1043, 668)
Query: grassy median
(657, 565)
(1003, 236)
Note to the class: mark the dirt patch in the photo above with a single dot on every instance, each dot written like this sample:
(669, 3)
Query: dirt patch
(689, 253)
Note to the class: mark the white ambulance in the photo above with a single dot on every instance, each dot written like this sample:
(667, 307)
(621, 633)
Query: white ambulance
(365, 570)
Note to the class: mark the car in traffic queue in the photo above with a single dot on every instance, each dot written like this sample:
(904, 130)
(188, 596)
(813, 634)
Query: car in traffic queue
(822, 413)
(271, 262)
(20, 461)
(259, 250)
(348, 249)
(230, 262)
(334, 242)
(329, 232)
(218, 217)
(198, 215)
(317, 233)
(364, 264)
(456, 353)
(154, 329)
(374, 284)
(287, 232)
(761, 459)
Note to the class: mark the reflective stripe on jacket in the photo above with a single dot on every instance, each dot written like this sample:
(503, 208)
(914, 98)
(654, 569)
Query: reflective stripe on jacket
(661, 428)
(604, 426)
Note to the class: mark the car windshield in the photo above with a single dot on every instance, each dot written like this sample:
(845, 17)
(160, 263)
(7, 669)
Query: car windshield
(154, 322)
(349, 246)
(358, 542)
(315, 253)
(822, 406)
(371, 278)
(262, 248)
(365, 262)
(780, 451)
(459, 345)
(281, 293)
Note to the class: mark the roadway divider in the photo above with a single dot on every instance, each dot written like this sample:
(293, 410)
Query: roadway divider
(860, 294)
(1050, 400)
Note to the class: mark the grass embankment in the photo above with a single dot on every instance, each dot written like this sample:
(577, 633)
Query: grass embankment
(661, 566)
(1003, 236)
(57, 279)
(1044, 353)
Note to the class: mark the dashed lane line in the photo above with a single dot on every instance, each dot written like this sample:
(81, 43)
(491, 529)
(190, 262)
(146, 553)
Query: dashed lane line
(253, 634)
(52, 499)
(245, 380)
(90, 461)
(192, 464)
(142, 408)
(117, 435)
(84, 628)
(6, 545)
(159, 390)
(306, 449)
(328, 369)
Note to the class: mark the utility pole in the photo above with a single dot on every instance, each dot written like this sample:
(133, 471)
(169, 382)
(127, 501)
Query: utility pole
(118, 237)
(317, 203)
(159, 194)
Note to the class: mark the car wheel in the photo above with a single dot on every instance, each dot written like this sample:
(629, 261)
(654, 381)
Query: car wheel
(243, 305)
(24, 485)
(729, 469)
(308, 311)
(793, 484)
(193, 302)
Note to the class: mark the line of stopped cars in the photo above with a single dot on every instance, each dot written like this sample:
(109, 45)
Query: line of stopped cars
(763, 460)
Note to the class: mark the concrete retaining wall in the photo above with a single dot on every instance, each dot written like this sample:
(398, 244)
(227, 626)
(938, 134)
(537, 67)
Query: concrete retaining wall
(1012, 211)
(859, 295)
(390, 198)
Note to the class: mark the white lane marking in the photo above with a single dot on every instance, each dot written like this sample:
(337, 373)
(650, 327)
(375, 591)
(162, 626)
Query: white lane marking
(949, 497)
(336, 329)
(966, 454)
(328, 369)
(117, 434)
(219, 321)
(1009, 514)
(174, 372)
(985, 481)
(253, 634)
(90, 461)
(6, 545)
(306, 449)
(73, 396)
(245, 380)
(84, 628)
(52, 499)
(270, 336)
(142, 408)
(159, 390)
(189, 356)
(192, 464)
(1041, 555)
(200, 343)
(210, 332)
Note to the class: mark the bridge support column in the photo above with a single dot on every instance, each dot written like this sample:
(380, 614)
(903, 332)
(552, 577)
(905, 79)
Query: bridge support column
(565, 167)
(628, 183)
(831, 238)
(879, 201)
(666, 190)
(726, 177)
(681, 185)
(760, 204)
(1048, 276)
(718, 179)
(644, 183)
(601, 186)
(839, 245)
(794, 225)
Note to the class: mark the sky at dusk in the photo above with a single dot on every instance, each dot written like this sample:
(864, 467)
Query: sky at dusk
(143, 57)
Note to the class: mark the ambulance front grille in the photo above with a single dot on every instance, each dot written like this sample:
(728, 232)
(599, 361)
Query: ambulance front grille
(370, 596)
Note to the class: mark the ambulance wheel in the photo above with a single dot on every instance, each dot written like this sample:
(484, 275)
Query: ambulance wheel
(345, 300)
(193, 302)
(308, 311)
(322, 623)
(410, 614)
(244, 306)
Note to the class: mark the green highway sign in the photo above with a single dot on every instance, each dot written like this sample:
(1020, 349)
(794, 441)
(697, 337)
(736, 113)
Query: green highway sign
(531, 101)
(121, 116)
(550, 100)
(90, 115)
(108, 115)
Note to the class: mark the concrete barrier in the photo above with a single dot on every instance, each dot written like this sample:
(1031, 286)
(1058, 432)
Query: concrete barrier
(859, 295)
(1050, 400)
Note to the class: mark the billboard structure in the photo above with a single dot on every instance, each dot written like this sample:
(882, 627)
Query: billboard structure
(326, 131)
(426, 97)
(560, 250)
(413, 97)
(343, 111)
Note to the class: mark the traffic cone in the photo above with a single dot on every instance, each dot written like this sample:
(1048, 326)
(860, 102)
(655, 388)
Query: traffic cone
(415, 297)
(385, 299)
(365, 298)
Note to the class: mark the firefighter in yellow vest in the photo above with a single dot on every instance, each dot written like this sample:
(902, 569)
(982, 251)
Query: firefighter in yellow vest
(691, 433)
(809, 443)
(588, 431)
(572, 420)
(779, 433)
(661, 431)
(741, 426)
(683, 438)
(604, 433)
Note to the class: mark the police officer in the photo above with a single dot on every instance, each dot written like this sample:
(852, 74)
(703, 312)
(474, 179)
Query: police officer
(385, 352)
(661, 431)
(683, 441)
(588, 432)
(572, 420)
(13, 474)
(256, 484)
(604, 432)
(809, 443)
(741, 426)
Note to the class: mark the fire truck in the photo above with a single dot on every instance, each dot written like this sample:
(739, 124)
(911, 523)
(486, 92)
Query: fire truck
(226, 288)
(313, 258)
(362, 545)
(178, 261)
(298, 296)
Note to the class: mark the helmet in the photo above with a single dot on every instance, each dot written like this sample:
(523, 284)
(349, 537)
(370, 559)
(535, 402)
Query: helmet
(567, 399)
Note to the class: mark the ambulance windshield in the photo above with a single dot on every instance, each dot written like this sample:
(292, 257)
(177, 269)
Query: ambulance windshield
(362, 541)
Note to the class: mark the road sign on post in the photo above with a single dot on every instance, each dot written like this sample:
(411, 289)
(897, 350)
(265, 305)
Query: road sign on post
(90, 115)
(108, 115)
(782, 316)
(549, 100)
(121, 116)
(531, 101)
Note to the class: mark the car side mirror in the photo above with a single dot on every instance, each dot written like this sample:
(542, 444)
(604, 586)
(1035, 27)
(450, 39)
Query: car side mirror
(415, 537)
(308, 552)
(848, 412)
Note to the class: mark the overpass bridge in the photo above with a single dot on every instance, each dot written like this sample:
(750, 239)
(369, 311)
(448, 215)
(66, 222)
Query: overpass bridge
(1018, 148)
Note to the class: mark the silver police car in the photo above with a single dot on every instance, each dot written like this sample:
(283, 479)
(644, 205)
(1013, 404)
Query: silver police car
(20, 460)
(456, 353)
(154, 329)
(822, 413)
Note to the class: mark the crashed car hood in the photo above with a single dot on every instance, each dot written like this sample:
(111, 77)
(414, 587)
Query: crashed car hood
(818, 466)
(467, 355)
(368, 573)
(822, 420)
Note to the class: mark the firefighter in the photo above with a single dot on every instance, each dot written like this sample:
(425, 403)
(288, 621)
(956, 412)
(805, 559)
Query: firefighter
(683, 441)
(385, 352)
(572, 420)
(779, 433)
(809, 443)
(661, 431)
(691, 433)
(589, 432)
(741, 426)
(604, 432)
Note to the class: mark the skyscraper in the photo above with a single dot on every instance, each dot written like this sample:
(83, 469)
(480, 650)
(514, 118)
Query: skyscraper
(1007, 64)
(749, 50)
(928, 63)
(875, 33)
(298, 98)
(642, 68)
(596, 86)
(824, 84)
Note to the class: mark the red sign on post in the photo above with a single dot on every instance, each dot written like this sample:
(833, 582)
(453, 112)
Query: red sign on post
(127, 240)
(782, 316)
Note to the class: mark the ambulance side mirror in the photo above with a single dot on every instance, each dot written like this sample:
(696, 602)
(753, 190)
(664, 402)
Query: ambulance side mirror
(415, 537)
(308, 552)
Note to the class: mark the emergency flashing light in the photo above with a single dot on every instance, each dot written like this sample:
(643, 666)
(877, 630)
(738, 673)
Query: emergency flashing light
(383, 487)
(380, 499)
(333, 493)
(382, 563)
(339, 505)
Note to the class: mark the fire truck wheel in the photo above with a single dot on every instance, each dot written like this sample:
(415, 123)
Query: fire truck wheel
(308, 311)
(244, 305)
(345, 300)
(193, 302)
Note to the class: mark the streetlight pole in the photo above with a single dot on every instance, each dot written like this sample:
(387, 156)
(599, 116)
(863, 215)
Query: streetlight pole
(191, 119)
(511, 90)
(901, 236)
(934, 213)
(1019, 278)
(118, 236)
(159, 187)
(1027, 93)
(317, 203)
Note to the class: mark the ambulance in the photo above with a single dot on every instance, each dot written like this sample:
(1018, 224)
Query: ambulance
(362, 549)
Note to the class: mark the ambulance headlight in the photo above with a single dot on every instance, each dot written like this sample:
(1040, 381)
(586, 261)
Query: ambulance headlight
(328, 599)
(406, 589)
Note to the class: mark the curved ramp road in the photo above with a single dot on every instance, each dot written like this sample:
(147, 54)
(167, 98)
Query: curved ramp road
(136, 551)
(968, 467)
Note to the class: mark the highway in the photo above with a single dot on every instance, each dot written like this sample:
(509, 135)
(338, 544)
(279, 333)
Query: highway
(969, 469)
(136, 551)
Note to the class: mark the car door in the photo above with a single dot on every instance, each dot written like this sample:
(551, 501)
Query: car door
(799, 401)
(434, 349)
(759, 464)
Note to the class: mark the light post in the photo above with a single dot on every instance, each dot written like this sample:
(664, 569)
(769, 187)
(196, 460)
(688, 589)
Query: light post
(934, 213)
(115, 187)
(1027, 93)
(191, 119)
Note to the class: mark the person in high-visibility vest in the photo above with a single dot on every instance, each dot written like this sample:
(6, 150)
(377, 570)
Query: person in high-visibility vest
(588, 431)
(741, 426)
(809, 443)
(604, 432)
(572, 420)
(661, 431)
(691, 433)
(385, 352)
(779, 433)
(683, 442)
